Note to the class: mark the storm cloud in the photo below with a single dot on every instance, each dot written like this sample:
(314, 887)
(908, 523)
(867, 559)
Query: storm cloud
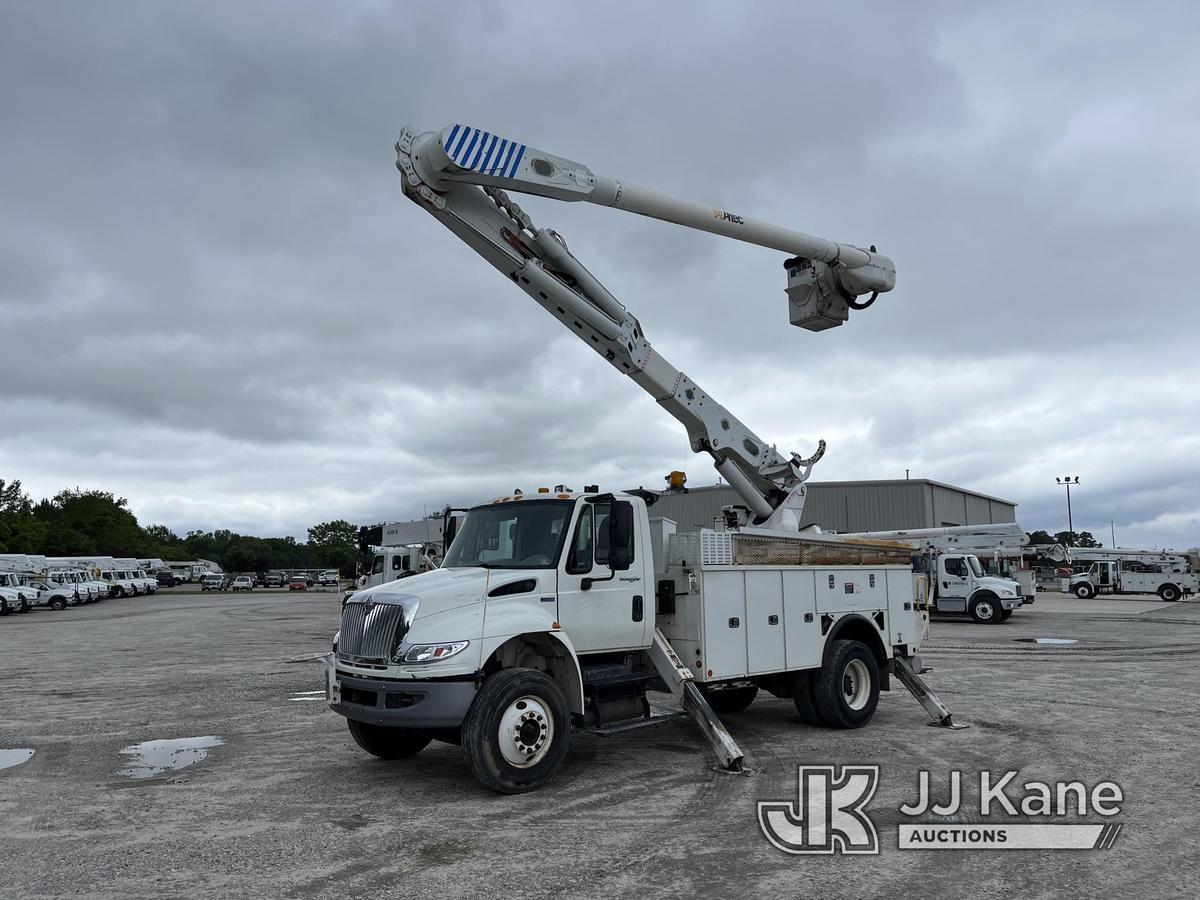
(216, 302)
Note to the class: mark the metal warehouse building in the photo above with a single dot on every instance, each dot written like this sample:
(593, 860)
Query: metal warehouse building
(853, 505)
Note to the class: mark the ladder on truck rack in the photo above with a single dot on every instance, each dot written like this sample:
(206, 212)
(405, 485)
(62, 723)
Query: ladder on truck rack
(678, 678)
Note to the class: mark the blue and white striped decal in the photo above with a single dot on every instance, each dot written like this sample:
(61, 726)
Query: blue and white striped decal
(482, 151)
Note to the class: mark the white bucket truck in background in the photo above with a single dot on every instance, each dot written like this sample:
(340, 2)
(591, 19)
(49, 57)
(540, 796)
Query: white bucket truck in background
(1169, 580)
(105, 569)
(132, 569)
(25, 574)
(959, 584)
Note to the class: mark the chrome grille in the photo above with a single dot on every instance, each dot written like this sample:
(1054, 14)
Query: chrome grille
(373, 628)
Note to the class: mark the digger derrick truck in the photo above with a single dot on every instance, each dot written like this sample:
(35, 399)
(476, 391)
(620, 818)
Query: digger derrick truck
(561, 609)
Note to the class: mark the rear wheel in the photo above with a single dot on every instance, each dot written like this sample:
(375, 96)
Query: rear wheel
(1084, 591)
(847, 688)
(731, 700)
(516, 732)
(1169, 592)
(388, 743)
(804, 696)
(986, 610)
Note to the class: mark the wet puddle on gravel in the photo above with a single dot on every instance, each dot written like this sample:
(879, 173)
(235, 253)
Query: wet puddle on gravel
(10, 758)
(151, 758)
(1046, 640)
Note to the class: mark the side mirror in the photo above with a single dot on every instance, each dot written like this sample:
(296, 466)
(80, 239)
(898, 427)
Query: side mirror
(620, 536)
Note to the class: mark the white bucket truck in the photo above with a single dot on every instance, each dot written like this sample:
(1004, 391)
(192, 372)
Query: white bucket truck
(563, 608)
(15, 596)
(25, 573)
(135, 572)
(959, 585)
(120, 583)
(1119, 575)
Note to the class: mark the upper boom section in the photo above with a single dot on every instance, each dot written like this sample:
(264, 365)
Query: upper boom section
(824, 279)
(458, 175)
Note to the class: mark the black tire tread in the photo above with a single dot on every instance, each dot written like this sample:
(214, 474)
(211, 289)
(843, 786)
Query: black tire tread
(830, 701)
(388, 743)
(480, 751)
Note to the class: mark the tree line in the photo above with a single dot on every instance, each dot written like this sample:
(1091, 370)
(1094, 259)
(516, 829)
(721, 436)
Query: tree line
(1066, 538)
(75, 522)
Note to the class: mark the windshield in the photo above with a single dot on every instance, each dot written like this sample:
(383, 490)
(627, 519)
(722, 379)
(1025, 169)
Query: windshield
(976, 568)
(520, 535)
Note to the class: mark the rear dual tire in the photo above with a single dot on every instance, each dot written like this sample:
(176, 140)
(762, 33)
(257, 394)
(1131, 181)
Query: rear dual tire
(843, 693)
(1169, 592)
(730, 700)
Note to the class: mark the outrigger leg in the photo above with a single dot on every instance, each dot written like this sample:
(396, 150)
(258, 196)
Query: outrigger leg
(679, 679)
(937, 710)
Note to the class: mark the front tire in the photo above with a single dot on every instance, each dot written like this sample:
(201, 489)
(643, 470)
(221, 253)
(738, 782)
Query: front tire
(58, 604)
(1084, 591)
(23, 605)
(388, 743)
(731, 700)
(986, 610)
(847, 688)
(516, 732)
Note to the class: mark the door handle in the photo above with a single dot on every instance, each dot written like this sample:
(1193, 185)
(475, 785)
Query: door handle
(637, 607)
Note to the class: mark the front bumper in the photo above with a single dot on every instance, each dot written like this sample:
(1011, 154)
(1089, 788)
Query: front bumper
(399, 704)
(1010, 602)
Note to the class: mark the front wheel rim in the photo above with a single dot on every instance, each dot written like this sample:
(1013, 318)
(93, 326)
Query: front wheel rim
(856, 684)
(526, 732)
(984, 610)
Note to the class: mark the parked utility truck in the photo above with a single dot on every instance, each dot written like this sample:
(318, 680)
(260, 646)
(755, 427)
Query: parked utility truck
(24, 573)
(958, 583)
(1130, 576)
(563, 608)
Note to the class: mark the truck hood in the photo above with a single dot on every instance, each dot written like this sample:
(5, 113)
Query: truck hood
(438, 591)
(1000, 586)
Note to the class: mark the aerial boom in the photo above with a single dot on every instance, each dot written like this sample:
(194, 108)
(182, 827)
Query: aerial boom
(460, 175)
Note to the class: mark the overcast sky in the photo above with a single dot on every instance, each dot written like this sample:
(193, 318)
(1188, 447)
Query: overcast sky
(216, 301)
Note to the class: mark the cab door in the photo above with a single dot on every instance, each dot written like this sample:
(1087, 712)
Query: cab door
(953, 584)
(601, 609)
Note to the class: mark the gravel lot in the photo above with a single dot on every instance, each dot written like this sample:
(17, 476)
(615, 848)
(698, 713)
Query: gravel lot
(288, 806)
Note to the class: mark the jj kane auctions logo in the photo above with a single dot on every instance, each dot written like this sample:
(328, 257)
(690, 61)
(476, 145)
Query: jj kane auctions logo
(829, 814)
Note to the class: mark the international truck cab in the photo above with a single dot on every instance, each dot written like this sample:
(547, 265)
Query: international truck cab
(964, 587)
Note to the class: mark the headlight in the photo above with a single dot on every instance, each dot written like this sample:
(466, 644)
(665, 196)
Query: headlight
(429, 653)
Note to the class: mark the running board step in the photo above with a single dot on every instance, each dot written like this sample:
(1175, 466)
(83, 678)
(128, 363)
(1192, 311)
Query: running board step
(679, 679)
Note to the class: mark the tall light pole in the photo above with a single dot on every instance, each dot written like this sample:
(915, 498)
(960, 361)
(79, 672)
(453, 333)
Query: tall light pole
(1066, 481)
